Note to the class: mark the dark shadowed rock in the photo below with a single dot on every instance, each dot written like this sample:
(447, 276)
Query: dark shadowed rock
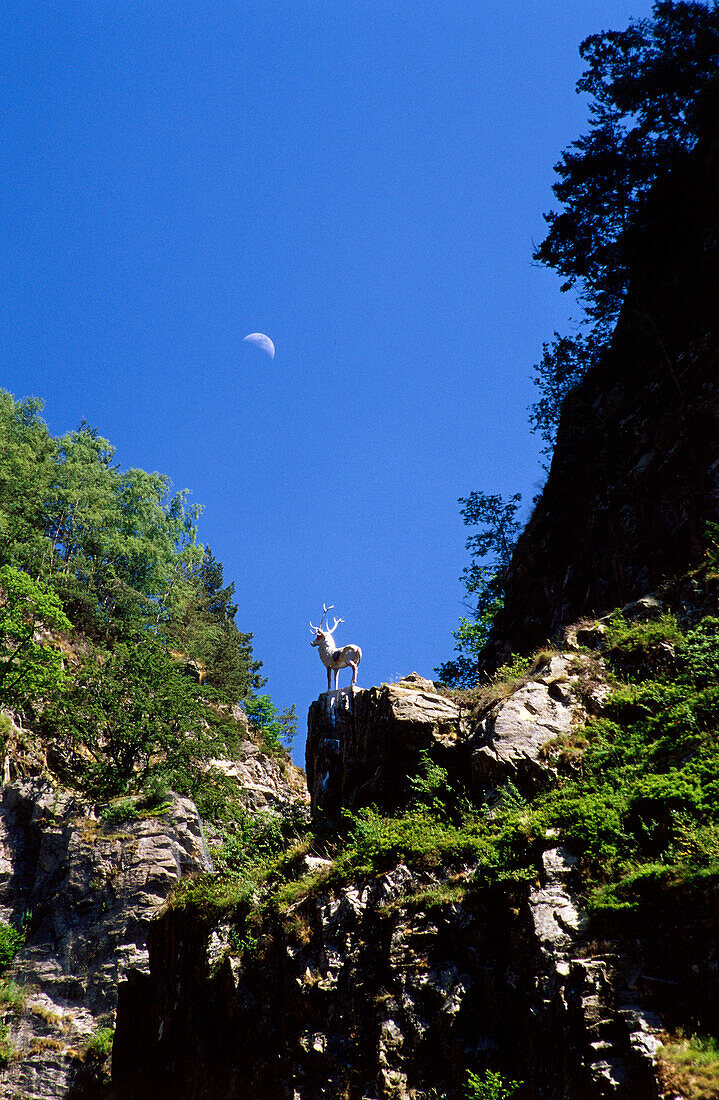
(635, 474)
(364, 744)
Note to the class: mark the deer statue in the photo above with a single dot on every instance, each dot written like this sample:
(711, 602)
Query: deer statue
(332, 657)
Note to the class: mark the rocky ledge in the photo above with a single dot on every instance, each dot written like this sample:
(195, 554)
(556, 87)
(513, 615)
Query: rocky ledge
(364, 745)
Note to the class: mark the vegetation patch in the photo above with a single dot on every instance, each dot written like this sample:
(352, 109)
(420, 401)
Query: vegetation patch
(99, 1045)
(11, 940)
(8, 1053)
(689, 1067)
(13, 997)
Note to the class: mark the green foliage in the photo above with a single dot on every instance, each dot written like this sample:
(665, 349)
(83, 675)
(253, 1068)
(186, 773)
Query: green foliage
(650, 89)
(509, 799)
(11, 940)
(278, 729)
(118, 543)
(99, 1045)
(204, 628)
(155, 791)
(417, 837)
(489, 1086)
(134, 716)
(7, 1050)
(484, 579)
(28, 669)
(513, 670)
(253, 838)
(690, 1066)
(27, 455)
(117, 547)
(120, 812)
(431, 788)
(13, 997)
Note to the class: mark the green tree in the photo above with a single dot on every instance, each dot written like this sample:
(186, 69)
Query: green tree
(278, 729)
(119, 545)
(652, 90)
(132, 716)
(204, 628)
(29, 668)
(484, 579)
(27, 456)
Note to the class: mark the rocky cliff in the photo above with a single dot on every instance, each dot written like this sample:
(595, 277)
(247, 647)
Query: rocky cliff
(85, 890)
(635, 474)
(389, 983)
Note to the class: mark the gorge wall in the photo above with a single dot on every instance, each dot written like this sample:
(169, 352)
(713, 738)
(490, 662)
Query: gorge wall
(85, 891)
(634, 477)
(389, 985)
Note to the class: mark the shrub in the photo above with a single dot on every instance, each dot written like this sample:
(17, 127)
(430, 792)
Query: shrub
(119, 812)
(277, 729)
(155, 792)
(13, 997)
(7, 1050)
(11, 940)
(99, 1045)
(489, 1086)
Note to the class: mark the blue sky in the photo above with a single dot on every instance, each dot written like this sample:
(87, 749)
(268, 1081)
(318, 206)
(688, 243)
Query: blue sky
(364, 182)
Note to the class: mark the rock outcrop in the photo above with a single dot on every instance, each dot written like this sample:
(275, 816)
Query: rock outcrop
(362, 743)
(508, 743)
(85, 893)
(359, 993)
(364, 746)
(388, 987)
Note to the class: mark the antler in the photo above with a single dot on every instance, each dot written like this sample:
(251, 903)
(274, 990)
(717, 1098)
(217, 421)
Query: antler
(325, 609)
(337, 623)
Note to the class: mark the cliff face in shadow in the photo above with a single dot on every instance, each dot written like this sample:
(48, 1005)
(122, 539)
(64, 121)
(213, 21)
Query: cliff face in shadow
(635, 474)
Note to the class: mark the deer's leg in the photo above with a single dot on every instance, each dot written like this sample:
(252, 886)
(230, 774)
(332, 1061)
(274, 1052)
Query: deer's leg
(353, 666)
(337, 672)
(329, 678)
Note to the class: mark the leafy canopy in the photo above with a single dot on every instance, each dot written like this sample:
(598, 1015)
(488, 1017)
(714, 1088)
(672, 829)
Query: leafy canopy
(29, 668)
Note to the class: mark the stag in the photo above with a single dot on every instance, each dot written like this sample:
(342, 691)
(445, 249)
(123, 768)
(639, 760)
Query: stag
(332, 657)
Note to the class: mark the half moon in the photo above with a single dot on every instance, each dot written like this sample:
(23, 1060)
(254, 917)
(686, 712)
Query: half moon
(261, 341)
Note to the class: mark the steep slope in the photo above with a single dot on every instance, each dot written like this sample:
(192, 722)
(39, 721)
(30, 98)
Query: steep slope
(635, 475)
(83, 882)
(512, 907)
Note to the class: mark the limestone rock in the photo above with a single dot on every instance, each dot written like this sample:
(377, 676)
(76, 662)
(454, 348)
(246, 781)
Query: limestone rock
(266, 782)
(508, 744)
(90, 895)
